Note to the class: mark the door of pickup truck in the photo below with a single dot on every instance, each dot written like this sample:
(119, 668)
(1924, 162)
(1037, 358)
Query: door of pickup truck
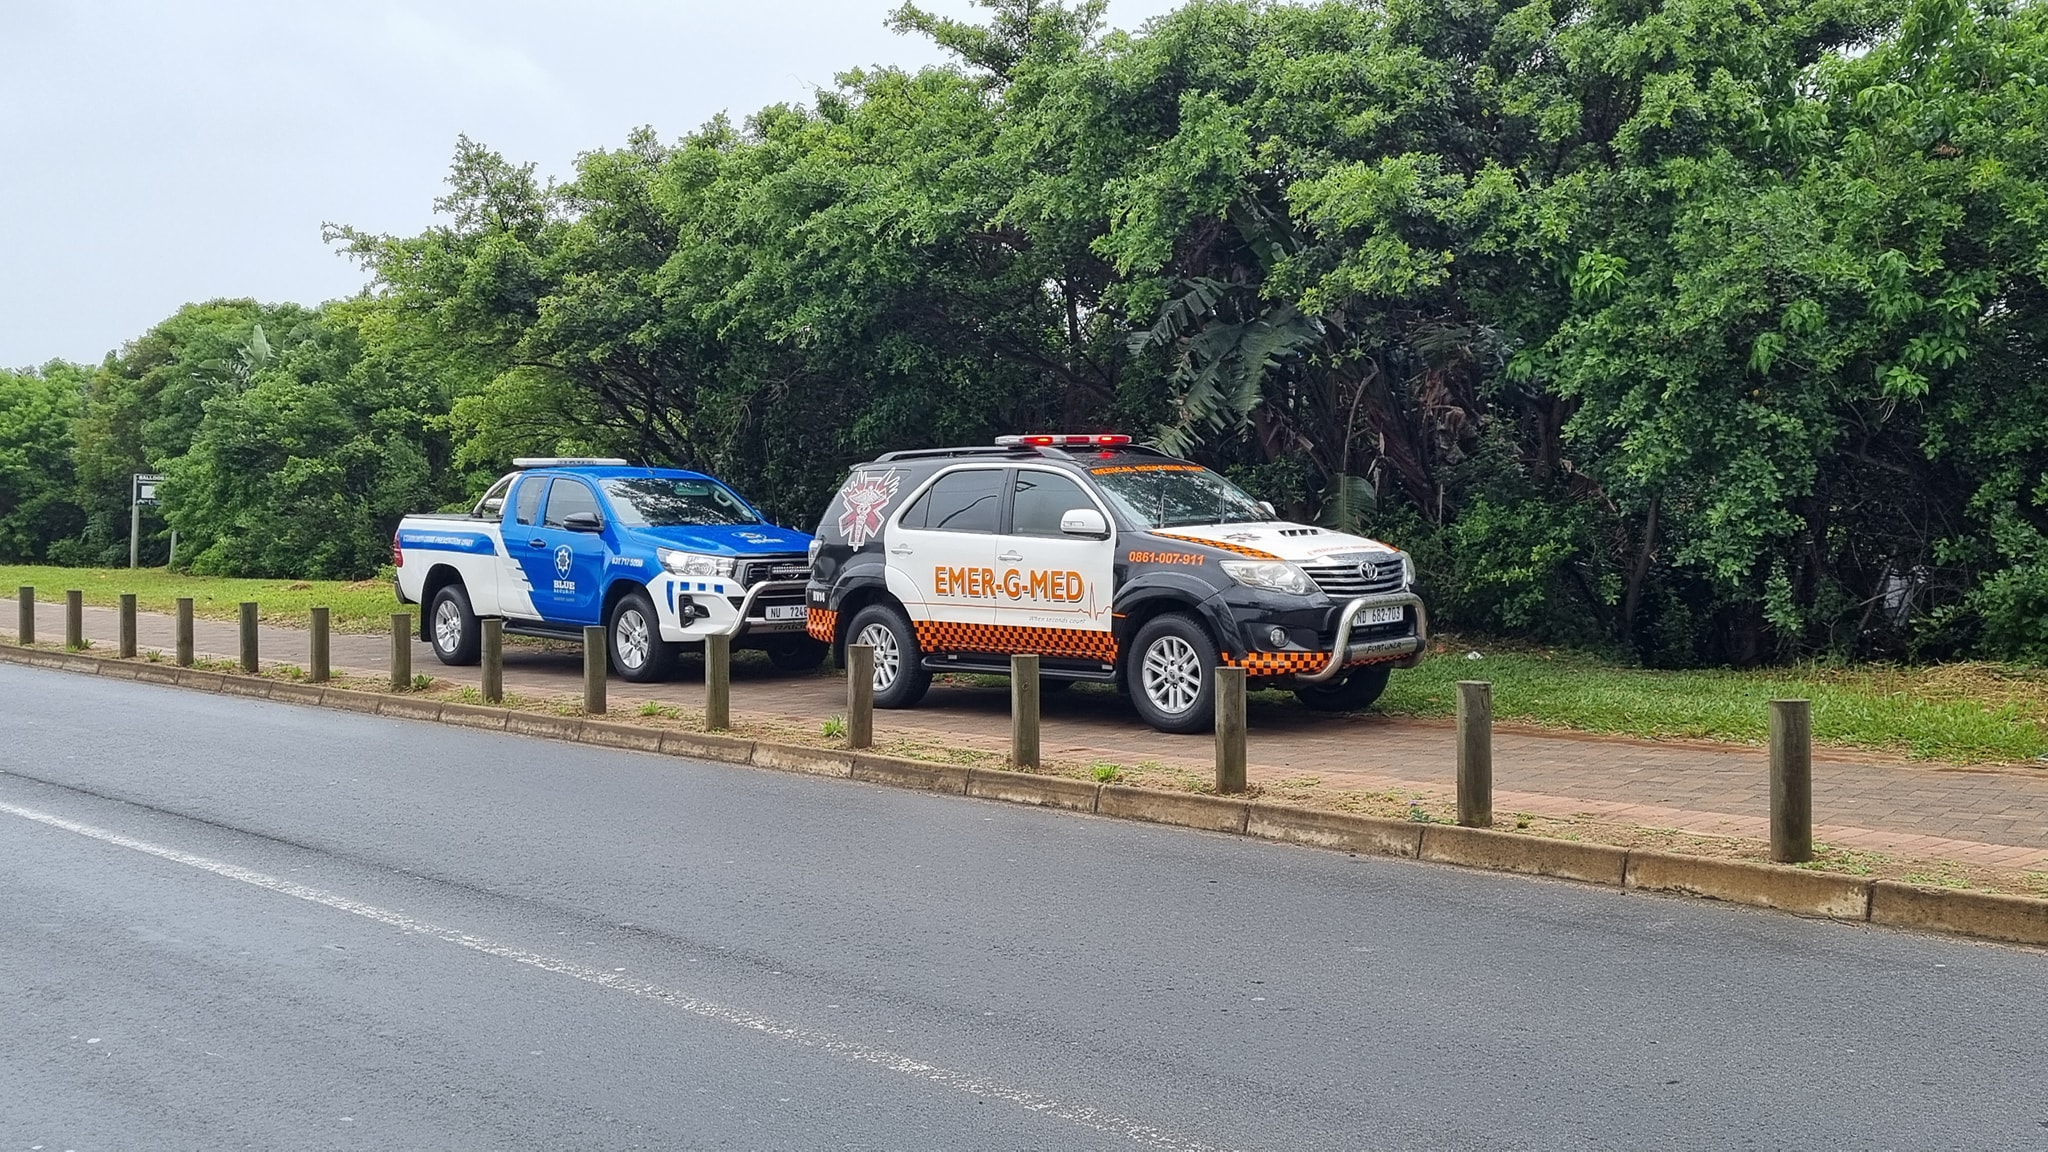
(566, 568)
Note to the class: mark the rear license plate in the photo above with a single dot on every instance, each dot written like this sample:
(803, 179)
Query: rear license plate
(1367, 617)
(785, 612)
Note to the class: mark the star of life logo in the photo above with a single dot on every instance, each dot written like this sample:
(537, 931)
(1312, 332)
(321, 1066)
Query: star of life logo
(862, 501)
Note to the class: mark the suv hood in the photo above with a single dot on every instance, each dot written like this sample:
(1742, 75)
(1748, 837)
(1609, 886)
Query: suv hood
(1300, 543)
(725, 540)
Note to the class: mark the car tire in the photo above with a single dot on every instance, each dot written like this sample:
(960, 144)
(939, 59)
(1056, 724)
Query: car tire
(452, 628)
(799, 655)
(1353, 692)
(1173, 674)
(633, 639)
(901, 679)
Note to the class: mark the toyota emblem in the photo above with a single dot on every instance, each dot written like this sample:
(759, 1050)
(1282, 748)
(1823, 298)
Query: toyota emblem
(1369, 570)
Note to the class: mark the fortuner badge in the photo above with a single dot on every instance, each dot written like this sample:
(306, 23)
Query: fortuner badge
(864, 498)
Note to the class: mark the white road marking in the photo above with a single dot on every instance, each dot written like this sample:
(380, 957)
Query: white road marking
(850, 1050)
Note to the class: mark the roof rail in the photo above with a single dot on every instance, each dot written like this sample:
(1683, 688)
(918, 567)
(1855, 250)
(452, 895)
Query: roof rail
(942, 453)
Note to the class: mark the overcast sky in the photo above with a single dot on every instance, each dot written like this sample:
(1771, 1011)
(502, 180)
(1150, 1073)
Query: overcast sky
(156, 153)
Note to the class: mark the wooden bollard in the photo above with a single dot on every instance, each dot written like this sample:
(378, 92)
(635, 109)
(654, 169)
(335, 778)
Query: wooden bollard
(593, 669)
(1475, 753)
(494, 660)
(1230, 731)
(401, 651)
(249, 663)
(184, 637)
(25, 622)
(318, 669)
(127, 626)
(74, 620)
(860, 695)
(717, 682)
(1024, 714)
(1791, 781)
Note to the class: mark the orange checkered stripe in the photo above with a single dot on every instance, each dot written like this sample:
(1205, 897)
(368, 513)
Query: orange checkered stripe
(1069, 643)
(1241, 550)
(1278, 663)
(1262, 664)
(822, 624)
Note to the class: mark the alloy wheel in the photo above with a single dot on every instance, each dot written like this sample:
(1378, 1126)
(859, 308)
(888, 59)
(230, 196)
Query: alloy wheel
(1172, 675)
(888, 654)
(448, 626)
(632, 638)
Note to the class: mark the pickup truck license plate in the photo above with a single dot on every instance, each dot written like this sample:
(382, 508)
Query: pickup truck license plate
(796, 612)
(1367, 617)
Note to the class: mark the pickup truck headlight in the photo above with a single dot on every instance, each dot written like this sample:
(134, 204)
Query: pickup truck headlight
(693, 563)
(1407, 570)
(1272, 575)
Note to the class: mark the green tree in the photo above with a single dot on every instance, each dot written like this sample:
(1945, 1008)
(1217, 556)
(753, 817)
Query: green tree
(37, 409)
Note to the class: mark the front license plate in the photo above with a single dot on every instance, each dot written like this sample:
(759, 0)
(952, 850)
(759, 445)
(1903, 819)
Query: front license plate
(1367, 617)
(785, 612)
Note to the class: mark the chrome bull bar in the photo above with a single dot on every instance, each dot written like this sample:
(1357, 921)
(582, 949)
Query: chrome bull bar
(744, 620)
(1343, 653)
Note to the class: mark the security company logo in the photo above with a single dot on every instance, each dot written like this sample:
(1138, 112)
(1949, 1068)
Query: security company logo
(863, 500)
(563, 559)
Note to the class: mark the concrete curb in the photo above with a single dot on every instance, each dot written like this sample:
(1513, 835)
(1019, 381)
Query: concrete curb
(898, 772)
(1025, 788)
(2015, 919)
(1531, 855)
(1364, 835)
(1184, 809)
(1982, 915)
(1738, 881)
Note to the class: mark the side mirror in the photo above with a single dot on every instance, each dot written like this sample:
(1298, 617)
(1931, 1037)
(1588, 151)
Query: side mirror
(583, 522)
(1084, 522)
(1270, 511)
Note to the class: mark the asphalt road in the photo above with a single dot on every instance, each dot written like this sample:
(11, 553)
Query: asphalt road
(227, 923)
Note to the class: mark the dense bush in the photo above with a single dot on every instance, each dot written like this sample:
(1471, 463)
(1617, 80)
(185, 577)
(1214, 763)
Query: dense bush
(1709, 331)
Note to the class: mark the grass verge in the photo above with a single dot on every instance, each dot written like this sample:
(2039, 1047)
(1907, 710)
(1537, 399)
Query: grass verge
(358, 606)
(1964, 713)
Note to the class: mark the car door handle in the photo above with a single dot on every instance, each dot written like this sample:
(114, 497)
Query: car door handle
(1011, 557)
(536, 542)
(901, 550)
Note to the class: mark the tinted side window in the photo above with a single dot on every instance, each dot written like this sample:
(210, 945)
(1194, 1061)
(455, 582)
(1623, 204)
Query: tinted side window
(966, 501)
(531, 490)
(566, 498)
(915, 515)
(1042, 498)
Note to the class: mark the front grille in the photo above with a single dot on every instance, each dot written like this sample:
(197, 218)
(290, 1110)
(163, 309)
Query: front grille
(754, 570)
(1360, 574)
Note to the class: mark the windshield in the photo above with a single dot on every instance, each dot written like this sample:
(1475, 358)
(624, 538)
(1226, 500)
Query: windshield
(667, 502)
(1172, 495)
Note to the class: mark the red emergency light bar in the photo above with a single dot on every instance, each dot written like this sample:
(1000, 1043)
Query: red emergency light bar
(1074, 440)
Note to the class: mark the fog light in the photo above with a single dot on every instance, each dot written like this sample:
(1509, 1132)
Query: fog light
(686, 610)
(1278, 636)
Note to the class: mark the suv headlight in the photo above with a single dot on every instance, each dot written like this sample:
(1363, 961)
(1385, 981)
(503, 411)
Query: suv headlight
(1407, 571)
(693, 563)
(1272, 575)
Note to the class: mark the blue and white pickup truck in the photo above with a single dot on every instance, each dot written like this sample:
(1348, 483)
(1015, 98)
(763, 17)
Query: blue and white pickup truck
(659, 557)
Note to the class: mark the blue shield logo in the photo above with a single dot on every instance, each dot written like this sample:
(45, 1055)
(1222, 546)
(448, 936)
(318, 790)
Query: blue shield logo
(563, 559)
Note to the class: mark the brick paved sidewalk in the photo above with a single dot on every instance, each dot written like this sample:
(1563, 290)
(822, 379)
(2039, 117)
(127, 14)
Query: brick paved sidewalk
(1991, 816)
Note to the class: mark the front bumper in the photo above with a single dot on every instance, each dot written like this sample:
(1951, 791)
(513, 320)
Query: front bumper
(1404, 651)
(711, 611)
